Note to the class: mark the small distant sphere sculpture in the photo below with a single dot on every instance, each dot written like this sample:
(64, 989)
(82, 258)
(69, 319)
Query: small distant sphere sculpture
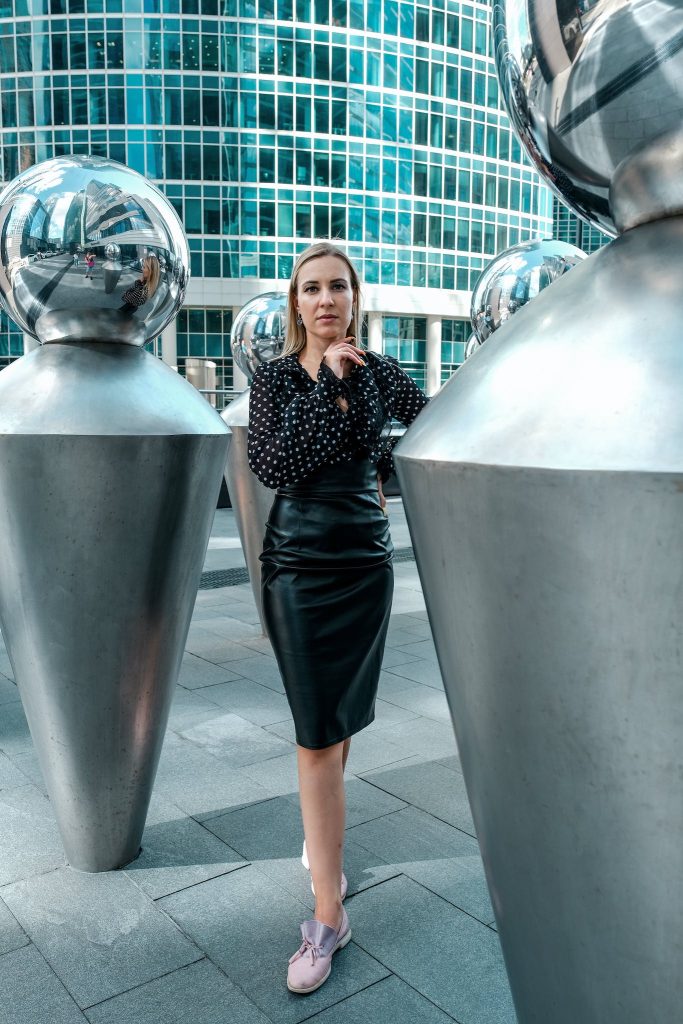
(589, 87)
(112, 251)
(517, 276)
(258, 332)
(81, 213)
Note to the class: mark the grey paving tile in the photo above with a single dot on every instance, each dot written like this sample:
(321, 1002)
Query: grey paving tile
(213, 647)
(199, 993)
(423, 737)
(396, 656)
(12, 936)
(270, 836)
(8, 691)
(14, 733)
(429, 786)
(32, 993)
(261, 668)
(390, 685)
(388, 1000)
(444, 954)
(29, 840)
(177, 851)
(368, 749)
(427, 702)
(426, 671)
(99, 932)
(199, 783)
(388, 714)
(5, 664)
(190, 707)
(235, 629)
(27, 763)
(436, 855)
(372, 750)
(249, 927)
(10, 774)
(260, 644)
(196, 672)
(278, 775)
(452, 762)
(234, 740)
(364, 802)
(259, 704)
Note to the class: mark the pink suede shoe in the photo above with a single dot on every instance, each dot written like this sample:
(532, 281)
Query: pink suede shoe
(344, 881)
(311, 965)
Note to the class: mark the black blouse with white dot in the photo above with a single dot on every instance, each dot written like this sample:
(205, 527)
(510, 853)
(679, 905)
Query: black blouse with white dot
(296, 425)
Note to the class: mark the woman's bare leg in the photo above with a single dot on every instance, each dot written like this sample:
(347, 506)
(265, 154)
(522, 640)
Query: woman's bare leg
(321, 790)
(345, 754)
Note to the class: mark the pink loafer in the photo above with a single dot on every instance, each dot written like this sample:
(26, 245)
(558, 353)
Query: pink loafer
(311, 965)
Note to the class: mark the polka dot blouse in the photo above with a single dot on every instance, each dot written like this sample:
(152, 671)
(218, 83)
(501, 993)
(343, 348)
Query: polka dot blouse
(296, 425)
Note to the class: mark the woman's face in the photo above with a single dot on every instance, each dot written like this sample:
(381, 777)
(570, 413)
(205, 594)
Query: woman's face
(324, 298)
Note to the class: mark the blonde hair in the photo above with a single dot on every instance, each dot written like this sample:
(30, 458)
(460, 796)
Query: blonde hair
(295, 335)
(152, 282)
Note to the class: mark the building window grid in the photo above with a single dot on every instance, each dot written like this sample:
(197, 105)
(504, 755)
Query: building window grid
(224, 253)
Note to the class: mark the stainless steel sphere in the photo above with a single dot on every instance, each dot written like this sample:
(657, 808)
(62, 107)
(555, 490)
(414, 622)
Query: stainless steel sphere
(591, 87)
(258, 331)
(515, 277)
(62, 221)
(112, 251)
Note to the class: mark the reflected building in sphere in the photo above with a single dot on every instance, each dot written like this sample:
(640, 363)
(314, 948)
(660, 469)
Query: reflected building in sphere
(272, 123)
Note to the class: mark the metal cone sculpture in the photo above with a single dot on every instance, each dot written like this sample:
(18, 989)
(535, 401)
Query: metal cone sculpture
(109, 474)
(544, 490)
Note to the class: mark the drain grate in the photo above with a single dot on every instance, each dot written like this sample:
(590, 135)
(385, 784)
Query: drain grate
(216, 578)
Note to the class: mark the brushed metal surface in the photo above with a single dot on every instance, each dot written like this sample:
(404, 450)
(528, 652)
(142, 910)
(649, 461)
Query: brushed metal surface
(544, 492)
(110, 466)
(250, 499)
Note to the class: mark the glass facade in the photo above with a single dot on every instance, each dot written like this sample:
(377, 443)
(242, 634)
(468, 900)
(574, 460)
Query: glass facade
(570, 228)
(270, 123)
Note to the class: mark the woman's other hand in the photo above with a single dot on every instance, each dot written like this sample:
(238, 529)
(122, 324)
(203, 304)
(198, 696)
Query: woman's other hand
(382, 499)
(341, 355)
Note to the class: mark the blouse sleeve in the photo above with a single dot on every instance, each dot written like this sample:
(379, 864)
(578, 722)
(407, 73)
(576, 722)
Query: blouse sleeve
(409, 399)
(286, 445)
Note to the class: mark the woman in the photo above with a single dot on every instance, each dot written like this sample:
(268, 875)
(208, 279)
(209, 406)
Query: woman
(317, 422)
(145, 287)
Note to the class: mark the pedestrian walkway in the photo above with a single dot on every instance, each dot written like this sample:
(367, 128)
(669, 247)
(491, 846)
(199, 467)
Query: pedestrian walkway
(199, 929)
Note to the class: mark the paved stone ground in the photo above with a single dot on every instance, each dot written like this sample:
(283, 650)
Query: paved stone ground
(200, 927)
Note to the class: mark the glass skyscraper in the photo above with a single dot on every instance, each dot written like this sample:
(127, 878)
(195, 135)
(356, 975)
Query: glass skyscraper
(270, 123)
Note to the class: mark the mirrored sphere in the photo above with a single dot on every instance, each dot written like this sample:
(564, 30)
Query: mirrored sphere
(90, 251)
(258, 331)
(517, 276)
(590, 86)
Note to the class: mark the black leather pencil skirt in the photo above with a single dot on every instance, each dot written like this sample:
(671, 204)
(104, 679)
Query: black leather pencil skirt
(327, 582)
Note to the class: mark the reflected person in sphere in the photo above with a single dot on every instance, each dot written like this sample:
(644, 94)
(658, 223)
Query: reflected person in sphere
(318, 417)
(144, 288)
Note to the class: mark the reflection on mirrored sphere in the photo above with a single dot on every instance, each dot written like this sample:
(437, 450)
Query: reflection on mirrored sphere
(517, 276)
(471, 345)
(90, 251)
(258, 331)
(590, 86)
